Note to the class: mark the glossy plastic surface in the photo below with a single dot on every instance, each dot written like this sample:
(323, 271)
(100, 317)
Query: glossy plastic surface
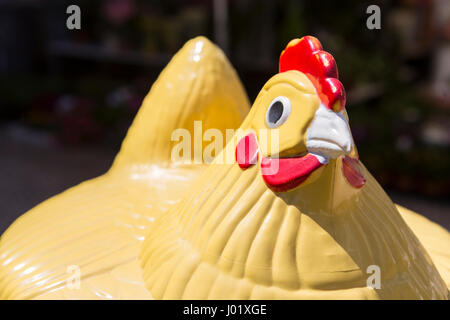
(98, 226)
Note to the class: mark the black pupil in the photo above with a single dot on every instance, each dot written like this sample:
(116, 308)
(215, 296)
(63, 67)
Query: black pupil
(275, 112)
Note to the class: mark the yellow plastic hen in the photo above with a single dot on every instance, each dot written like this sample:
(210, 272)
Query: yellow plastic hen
(293, 215)
(94, 230)
(296, 215)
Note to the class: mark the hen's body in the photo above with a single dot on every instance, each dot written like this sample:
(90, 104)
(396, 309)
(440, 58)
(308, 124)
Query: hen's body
(433, 237)
(233, 238)
(97, 227)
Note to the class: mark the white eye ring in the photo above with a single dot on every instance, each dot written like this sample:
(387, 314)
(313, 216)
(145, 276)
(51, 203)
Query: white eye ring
(278, 112)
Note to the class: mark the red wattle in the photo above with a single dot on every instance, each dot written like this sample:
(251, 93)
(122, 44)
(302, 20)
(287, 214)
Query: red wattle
(284, 174)
(352, 172)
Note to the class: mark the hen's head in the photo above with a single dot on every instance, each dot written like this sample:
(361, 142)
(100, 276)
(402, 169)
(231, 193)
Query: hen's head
(299, 121)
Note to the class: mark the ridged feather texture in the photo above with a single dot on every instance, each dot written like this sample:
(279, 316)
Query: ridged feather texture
(233, 238)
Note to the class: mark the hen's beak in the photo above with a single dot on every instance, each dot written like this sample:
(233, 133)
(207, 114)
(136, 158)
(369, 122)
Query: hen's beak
(329, 135)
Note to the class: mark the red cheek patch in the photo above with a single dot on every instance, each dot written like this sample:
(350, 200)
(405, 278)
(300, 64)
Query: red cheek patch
(247, 151)
(352, 172)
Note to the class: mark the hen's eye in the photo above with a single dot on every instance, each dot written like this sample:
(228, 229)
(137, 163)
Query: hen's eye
(278, 112)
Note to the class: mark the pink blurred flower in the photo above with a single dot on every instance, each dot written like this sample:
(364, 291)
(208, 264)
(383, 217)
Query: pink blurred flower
(118, 11)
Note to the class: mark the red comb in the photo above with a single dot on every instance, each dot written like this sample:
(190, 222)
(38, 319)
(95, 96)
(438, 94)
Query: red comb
(306, 55)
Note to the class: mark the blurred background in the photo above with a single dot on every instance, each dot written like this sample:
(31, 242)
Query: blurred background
(67, 97)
